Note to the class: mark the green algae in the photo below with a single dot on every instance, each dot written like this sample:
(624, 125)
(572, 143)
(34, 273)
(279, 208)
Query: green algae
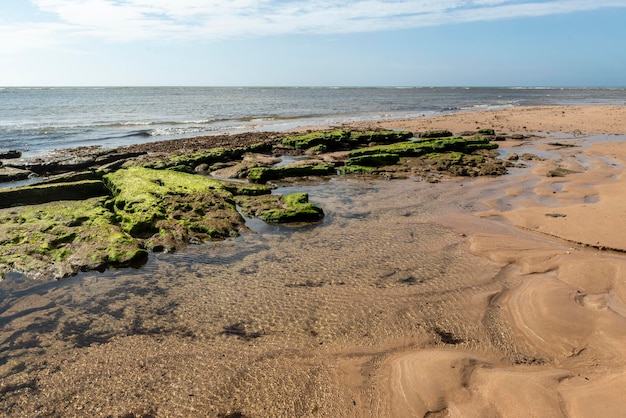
(328, 139)
(424, 147)
(265, 174)
(281, 209)
(439, 133)
(169, 208)
(323, 141)
(468, 165)
(59, 239)
(373, 160)
(187, 162)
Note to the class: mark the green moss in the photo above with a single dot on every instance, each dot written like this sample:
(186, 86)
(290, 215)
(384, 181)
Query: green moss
(356, 169)
(373, 160)
(263, 174)
(323, 141)
(187, 162)
(440, 133)
(170, 208)
(61, 238)
(381, 137)
(423, 147)
(281, 209)
(490, 132)
(329, 139)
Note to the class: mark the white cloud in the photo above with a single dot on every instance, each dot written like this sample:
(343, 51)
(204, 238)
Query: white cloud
(135, 20)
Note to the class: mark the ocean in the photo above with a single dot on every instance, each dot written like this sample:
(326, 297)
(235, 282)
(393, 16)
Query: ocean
(38, 120)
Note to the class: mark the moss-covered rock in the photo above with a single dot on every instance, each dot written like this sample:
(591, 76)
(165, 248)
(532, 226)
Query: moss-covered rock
(423, 147)
(379, 137)
(328, 139)
(44, 193)
(188, 162)
(439, 133)
(171, 208)
(373, 160)
(265, 174)
(325, 141)
(60, 239)
(281, 209)
(470, 165)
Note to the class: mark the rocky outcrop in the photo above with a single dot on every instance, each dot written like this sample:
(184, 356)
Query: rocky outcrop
(110, 208)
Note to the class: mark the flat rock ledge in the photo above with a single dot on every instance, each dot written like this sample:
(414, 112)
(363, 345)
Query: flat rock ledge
(111, 208)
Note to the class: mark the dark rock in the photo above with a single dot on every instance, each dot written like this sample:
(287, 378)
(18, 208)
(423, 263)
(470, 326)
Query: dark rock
(13, 174)
(440, 133)
(45, 193)
(8, 155)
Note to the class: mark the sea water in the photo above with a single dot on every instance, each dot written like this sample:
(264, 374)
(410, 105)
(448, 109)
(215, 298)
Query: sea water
(37, 120)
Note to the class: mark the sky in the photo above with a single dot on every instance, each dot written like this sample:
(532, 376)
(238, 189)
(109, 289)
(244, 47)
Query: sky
(313, 43)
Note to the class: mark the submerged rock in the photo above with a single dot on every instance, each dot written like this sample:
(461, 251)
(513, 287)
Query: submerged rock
(282, 209)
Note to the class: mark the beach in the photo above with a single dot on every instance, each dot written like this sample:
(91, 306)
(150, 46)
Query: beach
(483, 296)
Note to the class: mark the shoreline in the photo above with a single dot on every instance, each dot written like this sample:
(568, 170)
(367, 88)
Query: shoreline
(524, 312)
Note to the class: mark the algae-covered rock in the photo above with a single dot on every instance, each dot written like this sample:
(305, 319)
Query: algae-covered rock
(423, 147)
(373, 160)
(325, 141)
(440, 133)
(43, 193)
(188, 162)
(60, 239)
(328, 139)
(264, 174)
(469, 165)
(170, 208)
(281, 209)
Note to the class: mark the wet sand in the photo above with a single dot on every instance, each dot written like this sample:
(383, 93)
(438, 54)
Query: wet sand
(472, 297)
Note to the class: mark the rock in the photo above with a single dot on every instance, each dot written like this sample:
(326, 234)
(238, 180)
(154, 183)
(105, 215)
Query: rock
(440, 133)
(512, 157)
(13, 174)
(45, 193)
(170, 207)
(263, 174)
(8, 155)
(282, 209)
(326, 141)
(59, 239)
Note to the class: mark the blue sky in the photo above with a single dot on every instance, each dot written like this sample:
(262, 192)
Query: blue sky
(313, 42)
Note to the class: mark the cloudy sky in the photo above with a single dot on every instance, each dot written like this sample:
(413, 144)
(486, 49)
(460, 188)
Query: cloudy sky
(313, 42)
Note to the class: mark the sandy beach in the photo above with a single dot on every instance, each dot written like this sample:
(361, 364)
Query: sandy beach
(484, 297)
(562, 289)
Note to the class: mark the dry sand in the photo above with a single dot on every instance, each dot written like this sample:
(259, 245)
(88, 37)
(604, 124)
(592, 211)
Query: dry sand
(491, 297)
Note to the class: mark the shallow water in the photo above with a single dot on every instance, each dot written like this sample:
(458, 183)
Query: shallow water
(259, 325)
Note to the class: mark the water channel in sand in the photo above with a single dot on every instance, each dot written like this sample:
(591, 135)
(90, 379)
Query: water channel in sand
(304, 321)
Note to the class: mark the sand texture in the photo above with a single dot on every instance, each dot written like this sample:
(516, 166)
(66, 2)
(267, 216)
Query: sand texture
(486, 297)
